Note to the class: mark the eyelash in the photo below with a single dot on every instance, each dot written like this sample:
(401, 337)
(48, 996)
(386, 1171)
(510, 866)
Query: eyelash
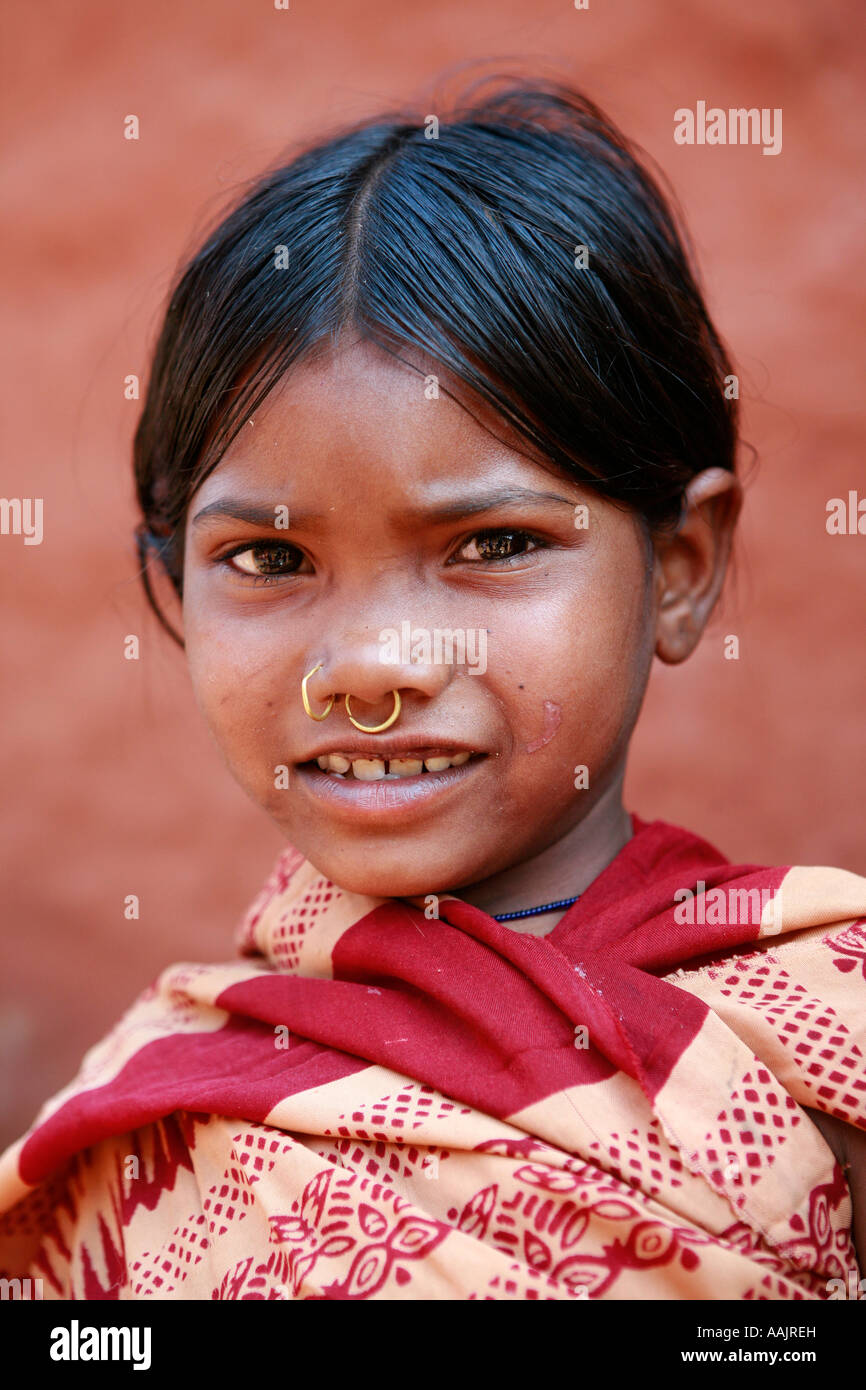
(268, 546)
(537, 543)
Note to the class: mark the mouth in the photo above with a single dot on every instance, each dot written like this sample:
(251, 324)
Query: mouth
(388, 783)
(376, 767)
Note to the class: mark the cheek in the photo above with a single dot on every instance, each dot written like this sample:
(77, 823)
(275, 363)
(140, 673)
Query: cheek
(238, 688)
(613, 667)
(584, 670)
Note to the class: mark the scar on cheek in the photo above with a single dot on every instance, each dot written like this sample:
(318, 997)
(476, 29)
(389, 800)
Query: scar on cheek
(552, 721)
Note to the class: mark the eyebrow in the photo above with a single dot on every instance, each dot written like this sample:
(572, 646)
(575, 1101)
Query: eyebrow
(237, 509)
(468, 506)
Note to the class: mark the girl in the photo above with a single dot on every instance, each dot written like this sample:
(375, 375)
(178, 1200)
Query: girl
(437, 453)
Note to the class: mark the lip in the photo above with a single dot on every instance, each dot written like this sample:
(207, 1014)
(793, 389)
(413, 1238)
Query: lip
(400, 746)
(384, 799)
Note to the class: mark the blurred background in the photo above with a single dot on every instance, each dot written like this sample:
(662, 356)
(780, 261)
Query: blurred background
(111, 785)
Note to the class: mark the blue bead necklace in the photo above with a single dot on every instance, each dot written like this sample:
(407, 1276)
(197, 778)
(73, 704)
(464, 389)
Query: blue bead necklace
(533, 911)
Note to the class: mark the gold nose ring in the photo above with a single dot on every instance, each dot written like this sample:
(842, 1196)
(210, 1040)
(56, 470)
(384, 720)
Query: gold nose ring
(377, 728)
(305, 697)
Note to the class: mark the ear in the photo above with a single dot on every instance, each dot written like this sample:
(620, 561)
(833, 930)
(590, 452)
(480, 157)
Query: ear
(690, 565)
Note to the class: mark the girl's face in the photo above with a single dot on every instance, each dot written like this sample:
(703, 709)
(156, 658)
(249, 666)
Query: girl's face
(362, 524)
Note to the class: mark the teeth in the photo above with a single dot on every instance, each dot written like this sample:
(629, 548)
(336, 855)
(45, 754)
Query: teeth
(368, 769)
(333, 762)
(405, 767)
(374, 769)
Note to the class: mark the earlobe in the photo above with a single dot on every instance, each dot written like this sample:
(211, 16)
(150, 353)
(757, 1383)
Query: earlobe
(691, 563)
(677, 635)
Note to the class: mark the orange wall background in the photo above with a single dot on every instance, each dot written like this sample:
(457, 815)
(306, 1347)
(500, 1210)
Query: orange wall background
(111, 785)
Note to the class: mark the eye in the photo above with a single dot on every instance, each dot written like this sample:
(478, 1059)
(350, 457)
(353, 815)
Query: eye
(268, 561)
(486, 547)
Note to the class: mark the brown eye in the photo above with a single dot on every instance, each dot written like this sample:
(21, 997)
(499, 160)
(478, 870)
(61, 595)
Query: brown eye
(498, 545)
(266, 560)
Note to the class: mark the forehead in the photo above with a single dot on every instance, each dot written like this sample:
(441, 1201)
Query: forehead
(360, 374)
(357, 410)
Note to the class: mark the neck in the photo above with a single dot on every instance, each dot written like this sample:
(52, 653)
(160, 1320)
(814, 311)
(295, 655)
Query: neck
(561, 870)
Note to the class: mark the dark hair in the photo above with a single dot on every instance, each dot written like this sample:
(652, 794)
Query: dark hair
(464, 246)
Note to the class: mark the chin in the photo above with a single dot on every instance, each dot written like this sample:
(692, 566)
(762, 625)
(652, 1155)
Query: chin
(380, 881)
(381, 884)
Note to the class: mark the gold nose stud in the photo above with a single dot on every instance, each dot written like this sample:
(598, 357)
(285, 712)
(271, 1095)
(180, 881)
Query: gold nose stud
(377, 728)
(306, 699)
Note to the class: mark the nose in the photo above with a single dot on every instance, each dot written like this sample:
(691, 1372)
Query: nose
(371, 663)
